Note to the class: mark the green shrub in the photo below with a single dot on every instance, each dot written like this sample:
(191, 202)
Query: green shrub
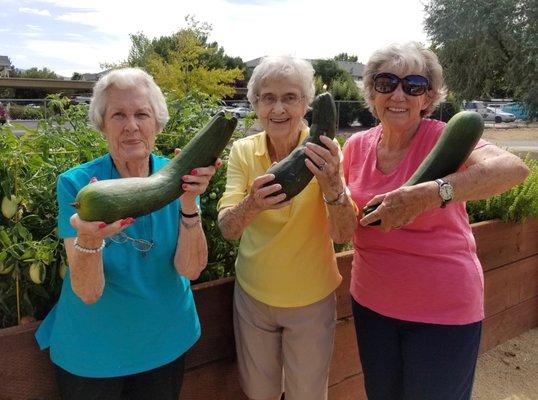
(516, 204)
(29, 166)
(17, 111)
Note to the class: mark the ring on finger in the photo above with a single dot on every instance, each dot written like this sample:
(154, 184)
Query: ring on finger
(322, 166)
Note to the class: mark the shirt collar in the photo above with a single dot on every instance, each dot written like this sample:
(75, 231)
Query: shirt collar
(260, 148)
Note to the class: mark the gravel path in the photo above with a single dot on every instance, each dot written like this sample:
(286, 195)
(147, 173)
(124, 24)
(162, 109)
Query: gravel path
(509, 371)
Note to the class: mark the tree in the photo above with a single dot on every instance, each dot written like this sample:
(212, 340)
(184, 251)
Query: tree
(185, 62)
(345, 57)
(487, 49)
(329, 76)
(76, 76)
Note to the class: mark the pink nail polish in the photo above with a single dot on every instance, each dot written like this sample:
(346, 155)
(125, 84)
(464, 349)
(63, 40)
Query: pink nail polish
(102, 225)
(184, 186)
(194, 172)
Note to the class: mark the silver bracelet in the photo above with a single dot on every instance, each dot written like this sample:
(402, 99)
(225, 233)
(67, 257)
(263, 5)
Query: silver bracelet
(336, 202)
(87, 250)
(190, 225)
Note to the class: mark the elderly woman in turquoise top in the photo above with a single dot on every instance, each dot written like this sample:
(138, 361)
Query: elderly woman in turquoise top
(126, 316)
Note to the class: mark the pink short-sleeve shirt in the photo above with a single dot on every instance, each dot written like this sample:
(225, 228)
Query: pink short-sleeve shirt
(427, 271)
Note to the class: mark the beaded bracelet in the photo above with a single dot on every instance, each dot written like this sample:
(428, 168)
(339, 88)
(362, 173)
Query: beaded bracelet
(86, 250)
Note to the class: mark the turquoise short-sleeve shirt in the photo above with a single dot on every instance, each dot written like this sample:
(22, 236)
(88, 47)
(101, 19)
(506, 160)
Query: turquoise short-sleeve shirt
(146, 316)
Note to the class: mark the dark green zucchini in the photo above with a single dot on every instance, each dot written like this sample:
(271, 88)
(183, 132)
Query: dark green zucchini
(291, 172)
(457, 141)
(115, 199)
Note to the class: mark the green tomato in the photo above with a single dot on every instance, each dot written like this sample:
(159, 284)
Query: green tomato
(6, 269)
(9, 206)
(61, 270)
(37, 273)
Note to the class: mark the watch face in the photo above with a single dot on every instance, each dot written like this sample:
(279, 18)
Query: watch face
(446, 192)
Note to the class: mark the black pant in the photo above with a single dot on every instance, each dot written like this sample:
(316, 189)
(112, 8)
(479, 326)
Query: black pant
(404, 360)
(163, 383)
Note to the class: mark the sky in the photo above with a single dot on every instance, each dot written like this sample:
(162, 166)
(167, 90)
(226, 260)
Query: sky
(79, 35)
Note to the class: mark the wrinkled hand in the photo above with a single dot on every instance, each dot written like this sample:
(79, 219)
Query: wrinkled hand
(92, 233)
(197, 181)
(399, 207)
(265, 198)
(325, 164)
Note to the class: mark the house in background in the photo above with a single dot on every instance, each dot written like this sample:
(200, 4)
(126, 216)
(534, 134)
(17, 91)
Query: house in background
(355, 69)
(5, 66)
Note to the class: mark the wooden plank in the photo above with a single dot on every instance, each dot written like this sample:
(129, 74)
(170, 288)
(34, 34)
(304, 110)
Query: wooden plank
(499, 243)
(215, 381)
(343, 298)
(350, 389)
(510, 285)
(345, 360)
(214, 303)
(25, 371)
(509, 323)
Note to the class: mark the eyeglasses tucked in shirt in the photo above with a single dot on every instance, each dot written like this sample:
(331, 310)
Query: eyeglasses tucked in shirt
(141, 245)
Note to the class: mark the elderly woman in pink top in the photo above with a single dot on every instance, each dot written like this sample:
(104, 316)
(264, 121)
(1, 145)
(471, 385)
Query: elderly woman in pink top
(417, 284)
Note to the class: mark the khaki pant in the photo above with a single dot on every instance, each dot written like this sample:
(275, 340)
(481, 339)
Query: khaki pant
(284, 349)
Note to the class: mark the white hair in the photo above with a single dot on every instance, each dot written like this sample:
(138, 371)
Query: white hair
(278, 67)
(127, 78)
(410, 57)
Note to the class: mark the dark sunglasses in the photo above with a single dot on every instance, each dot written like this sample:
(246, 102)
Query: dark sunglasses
(413, 85)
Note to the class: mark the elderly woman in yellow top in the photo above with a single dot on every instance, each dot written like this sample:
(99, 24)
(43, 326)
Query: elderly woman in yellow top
(284, 302)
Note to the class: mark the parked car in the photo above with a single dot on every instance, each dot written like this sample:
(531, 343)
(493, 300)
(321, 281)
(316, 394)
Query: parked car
(238, 112)
(498, 116)
(241, 112)
(517, 109)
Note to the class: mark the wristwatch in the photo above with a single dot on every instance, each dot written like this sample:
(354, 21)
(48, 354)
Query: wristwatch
(446, 192)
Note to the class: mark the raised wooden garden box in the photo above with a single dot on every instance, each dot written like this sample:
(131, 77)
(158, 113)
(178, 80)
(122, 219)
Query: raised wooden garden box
(509, 255)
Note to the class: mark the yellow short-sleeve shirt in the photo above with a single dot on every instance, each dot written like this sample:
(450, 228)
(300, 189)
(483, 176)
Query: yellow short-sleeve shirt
(286, 256)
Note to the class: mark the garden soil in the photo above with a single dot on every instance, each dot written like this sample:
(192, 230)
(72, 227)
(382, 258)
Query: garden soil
(509, 371)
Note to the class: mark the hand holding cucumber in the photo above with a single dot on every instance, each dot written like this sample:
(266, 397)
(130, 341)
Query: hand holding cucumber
(400, 207)
(265, 197)
(91, 234)
(324, 163)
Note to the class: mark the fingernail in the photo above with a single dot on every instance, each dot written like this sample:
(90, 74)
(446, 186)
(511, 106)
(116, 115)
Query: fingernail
(219, 163)
(194, 172)
(184, 186)
(102, 225)
(127, 221)
(185, 178)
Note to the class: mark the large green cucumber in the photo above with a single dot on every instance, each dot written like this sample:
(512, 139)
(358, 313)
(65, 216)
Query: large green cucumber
(457, 141)
(115, 199)
(292, 172)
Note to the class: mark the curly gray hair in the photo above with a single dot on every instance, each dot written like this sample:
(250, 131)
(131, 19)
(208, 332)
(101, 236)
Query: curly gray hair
(126, 78)
(295, 69)
(411, 57)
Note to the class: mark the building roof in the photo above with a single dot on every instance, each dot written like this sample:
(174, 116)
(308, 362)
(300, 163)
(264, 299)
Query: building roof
(355, 69)
(4, 61)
